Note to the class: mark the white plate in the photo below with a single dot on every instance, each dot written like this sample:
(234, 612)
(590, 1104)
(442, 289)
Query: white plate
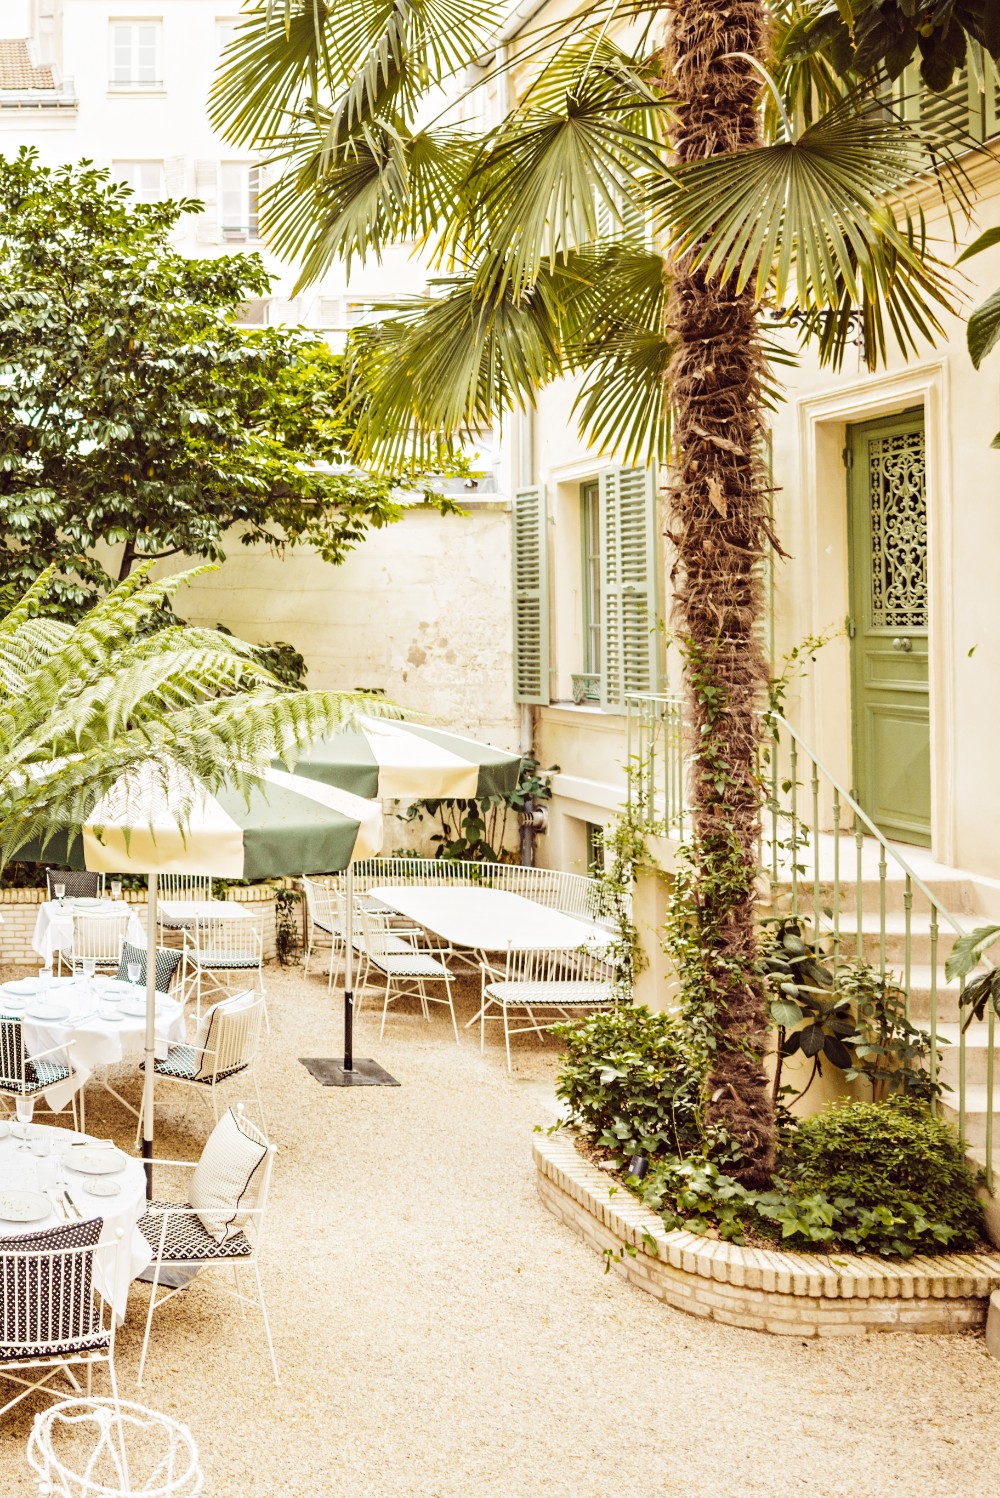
(106, 1012)
(134, 1007)
(11, 1006)
(95, 1159)
(26, 986)
(24, 1206)
(102, 1188)
(46, 1011)
(85, 902)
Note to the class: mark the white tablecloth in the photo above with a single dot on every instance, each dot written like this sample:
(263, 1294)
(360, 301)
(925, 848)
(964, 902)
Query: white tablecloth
(96, 1041)
(54, 924)
(491, 920)
(21, 1170)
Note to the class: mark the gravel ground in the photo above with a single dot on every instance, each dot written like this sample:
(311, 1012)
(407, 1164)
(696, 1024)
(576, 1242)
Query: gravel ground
(441, 1335)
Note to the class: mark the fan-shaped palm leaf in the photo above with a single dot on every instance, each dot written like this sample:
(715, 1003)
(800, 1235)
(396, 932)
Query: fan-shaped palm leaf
(816, 218)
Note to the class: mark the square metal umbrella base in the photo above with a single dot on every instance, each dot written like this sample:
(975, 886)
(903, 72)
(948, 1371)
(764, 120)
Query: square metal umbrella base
(364, 1073)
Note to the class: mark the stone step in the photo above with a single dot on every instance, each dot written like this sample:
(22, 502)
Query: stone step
(976, 1055)
(975, 1117)
(957, 895)
(895, 938)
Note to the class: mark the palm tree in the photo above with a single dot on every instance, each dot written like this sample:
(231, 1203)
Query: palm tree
(82, 704)
(759, 218)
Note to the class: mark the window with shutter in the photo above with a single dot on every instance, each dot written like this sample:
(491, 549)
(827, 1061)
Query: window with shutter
(145, 178)
(531, 596)
(239, 190)
(629, 644)
(967, 109)
(206, 175)
(135, 55)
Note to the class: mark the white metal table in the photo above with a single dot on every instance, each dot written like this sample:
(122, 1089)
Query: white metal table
(102, 1034)
(22, 1170)
(54, 923)
(490, 920)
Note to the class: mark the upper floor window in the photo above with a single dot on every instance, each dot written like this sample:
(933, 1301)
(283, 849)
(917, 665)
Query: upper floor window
(225, 31)
(240, 187)
(145, 178)
(135, 54)
(590, 530)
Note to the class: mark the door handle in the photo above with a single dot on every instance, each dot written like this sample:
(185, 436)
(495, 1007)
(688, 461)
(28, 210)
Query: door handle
(902, 643)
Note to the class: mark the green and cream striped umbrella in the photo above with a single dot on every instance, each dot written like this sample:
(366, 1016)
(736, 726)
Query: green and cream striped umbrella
(166, 823)
(384, 757)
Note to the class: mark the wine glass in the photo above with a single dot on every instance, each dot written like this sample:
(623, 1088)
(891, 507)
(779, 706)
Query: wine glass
(89, 965)
(116, 889)
(60, 890)
(134, 970)
(24, 1105)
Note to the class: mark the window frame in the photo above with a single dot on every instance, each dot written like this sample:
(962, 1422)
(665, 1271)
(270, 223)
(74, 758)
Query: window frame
(135, 84)
(590, 585)
(138, 195)
(248, 230)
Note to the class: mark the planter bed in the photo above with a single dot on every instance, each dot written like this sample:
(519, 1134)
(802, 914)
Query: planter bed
(790, 1294)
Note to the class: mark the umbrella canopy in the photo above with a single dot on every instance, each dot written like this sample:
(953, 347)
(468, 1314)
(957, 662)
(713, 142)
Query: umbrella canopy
(285, 824)
(383, 757)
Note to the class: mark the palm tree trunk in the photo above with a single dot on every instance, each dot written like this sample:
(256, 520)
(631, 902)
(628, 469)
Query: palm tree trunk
(719, 526)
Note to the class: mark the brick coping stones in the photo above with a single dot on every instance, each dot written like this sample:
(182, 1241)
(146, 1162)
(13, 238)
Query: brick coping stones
(791, 1294)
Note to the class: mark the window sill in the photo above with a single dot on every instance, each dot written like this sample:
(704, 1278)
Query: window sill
(586, 710)
(153, 92)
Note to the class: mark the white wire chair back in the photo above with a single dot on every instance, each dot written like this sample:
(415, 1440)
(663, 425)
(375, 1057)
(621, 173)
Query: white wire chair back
(234, 1035)
(377, 932)
(104, 1448)
(215, 938)
(573, 894)
(321, 903)
(555, 965)
(174, 887)
(49, 1304)
(99, 936)
(77, 884)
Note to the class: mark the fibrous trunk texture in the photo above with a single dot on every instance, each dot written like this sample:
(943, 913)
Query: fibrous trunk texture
(719, 520)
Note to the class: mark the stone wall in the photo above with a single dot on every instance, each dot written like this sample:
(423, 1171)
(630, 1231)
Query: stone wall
(789, 1294)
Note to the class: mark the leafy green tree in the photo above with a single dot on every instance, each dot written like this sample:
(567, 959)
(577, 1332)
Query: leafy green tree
(866, 38)
(758, 218)
(136, 414)
(81, 704)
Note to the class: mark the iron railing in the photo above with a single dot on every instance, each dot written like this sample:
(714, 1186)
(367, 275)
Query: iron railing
(816, 842)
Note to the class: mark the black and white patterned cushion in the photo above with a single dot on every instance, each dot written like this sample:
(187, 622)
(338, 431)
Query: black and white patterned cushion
(229, 962)
(185, 1062)
(167, 962)
(186, 1241)
(19, 1073)
(80, 884)
(228, 1177)
(60, 1310)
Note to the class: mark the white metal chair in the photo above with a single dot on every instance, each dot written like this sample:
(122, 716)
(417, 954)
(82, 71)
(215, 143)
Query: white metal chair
(106, 1448)
(77, 884)
(406, 967)
(322, 912)
(180, 889)
(52, 1320)
(225, 1046)
(218, 946)
(98, 937)
(542, 978)
(177, 1235)
(22, 1075)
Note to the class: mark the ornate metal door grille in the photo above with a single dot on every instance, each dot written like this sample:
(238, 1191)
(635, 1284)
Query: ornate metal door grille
(898, 521)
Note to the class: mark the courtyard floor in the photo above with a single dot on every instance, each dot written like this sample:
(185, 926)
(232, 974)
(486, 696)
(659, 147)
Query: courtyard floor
(440, 1335)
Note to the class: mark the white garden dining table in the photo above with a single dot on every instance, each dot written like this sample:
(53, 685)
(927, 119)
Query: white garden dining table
(102, 1034)
(23, 1170)
(490, 920)
(54, 923)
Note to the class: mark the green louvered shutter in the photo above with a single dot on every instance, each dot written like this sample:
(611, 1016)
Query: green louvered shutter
(629, 643)
(531, 597)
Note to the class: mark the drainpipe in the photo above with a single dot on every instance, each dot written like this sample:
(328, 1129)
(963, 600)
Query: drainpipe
(533, 818)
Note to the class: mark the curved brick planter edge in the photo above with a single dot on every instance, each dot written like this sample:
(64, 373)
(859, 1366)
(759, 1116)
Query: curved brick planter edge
(791, 1294)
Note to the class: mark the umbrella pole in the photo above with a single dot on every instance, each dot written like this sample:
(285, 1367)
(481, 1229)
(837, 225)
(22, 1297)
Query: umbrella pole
(367, 1073)
(149, 1075)
(349, 969)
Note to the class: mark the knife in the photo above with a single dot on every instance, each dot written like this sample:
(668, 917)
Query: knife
(71, 1204)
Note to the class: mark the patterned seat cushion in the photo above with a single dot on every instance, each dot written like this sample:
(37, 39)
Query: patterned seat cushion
(39, 1074)
(186, 1241)
(229, 961)
(60, 1310)
(167, 962)
(184, 1061)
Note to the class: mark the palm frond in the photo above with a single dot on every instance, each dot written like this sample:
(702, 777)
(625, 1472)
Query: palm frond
(450, 365)
(815, 220)
(380, 186)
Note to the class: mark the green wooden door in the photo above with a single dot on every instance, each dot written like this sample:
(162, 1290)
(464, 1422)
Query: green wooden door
(889, 624)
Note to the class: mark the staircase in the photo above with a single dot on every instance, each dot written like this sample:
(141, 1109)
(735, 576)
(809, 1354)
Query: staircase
(890, 904)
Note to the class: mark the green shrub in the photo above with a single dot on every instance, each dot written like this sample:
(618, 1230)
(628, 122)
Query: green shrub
(632, 1081)
(891, 1157)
